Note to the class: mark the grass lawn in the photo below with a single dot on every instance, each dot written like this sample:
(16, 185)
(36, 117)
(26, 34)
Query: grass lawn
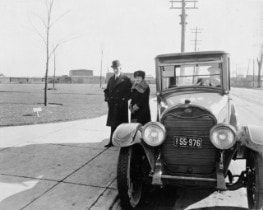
(67, 102)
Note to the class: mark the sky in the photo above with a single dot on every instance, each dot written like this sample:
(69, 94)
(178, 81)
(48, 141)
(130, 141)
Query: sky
(134, 32)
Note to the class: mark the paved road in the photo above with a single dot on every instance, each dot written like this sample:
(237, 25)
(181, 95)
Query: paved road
(65, 166)
(249, 103)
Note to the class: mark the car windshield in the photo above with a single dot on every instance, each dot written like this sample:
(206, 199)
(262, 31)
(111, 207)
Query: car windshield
(207, 74)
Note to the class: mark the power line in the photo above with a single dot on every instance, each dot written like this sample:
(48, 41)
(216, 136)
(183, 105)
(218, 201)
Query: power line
(183, 15)
(196, 41)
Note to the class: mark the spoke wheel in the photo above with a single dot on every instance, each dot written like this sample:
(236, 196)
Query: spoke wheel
(254, 180)
(130, 177)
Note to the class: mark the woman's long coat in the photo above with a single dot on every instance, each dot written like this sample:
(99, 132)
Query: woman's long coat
(143, 114)
(117, 94)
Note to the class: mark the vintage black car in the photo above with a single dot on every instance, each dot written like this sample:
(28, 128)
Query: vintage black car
(196, 134)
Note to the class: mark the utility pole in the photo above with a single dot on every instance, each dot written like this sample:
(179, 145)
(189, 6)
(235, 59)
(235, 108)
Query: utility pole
(248, 66)
(236, 71)
(183, 15)
(196, 31)
(101, 65)
(253, 72)
(260, 62)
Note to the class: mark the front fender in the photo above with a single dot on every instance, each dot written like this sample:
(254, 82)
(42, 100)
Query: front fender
(252, 137)
(127, 134)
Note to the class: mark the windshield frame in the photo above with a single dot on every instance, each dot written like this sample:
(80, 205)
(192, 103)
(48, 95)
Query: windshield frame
(194, 57)
(191, 63)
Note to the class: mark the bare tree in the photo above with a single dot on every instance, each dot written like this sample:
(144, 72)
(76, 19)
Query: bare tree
(48, 23)
(50, 4)
(259, 61)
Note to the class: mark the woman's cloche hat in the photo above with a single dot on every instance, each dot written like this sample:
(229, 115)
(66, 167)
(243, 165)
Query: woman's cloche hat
(139, 73)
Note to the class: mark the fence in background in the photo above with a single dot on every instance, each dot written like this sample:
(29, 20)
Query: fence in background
(60, 79)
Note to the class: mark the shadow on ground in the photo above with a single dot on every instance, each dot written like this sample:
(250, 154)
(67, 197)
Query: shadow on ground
(57, 176)
(172, 198)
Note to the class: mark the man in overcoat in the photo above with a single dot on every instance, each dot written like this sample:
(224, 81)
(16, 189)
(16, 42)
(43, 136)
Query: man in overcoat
(117, 94)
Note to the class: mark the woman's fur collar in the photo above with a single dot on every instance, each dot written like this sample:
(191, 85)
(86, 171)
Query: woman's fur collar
(140, 87)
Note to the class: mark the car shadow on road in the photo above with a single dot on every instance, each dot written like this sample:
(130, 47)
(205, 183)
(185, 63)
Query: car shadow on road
(172, 198)
(221, 208)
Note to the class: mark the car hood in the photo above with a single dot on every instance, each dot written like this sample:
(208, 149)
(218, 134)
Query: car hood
(214, 102)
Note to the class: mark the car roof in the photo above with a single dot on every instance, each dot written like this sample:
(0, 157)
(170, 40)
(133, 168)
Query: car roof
(191, 54)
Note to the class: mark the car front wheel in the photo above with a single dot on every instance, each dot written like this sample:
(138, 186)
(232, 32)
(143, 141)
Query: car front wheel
(129, 177)
(255, 181)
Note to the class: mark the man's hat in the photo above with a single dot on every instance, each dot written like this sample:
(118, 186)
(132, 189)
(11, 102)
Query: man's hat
(139, 73)
(115, 63)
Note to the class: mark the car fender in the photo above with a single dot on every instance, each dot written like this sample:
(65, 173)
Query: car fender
(252, 137)
(128, 134)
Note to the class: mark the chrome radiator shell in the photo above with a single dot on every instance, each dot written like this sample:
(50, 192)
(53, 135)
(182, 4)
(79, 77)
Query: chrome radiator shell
(189, 121)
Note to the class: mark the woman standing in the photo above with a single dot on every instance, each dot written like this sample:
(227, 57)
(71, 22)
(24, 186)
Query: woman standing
(139, 106)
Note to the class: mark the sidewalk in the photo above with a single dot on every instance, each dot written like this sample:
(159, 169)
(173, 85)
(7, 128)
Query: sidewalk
(61, 132)
(57, 166)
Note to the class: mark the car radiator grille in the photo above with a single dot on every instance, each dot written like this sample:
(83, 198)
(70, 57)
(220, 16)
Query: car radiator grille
(189, 161)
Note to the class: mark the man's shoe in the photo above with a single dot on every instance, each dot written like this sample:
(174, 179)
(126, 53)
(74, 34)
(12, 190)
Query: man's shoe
(108, 145)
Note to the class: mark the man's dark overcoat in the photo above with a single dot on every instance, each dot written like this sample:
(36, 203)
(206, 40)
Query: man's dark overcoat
(117, 94)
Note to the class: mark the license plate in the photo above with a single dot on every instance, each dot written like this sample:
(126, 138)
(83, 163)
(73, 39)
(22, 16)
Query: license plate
(187, 142)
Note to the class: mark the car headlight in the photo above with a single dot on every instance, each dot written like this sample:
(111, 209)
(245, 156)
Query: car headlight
(223, 136)
(153, 133)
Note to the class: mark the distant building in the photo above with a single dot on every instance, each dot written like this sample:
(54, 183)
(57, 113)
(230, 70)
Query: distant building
(109, 74)
(251, 77)
(81, 73)
(64, 79)
(150, 79)
(79, 76)
(82, 76)
(5, 80)
(249, 81)
(87, 80)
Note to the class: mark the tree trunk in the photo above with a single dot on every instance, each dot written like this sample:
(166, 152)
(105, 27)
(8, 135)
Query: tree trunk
(46, 77)
(259, 73)
(47, 65)
(260, 60)
(54, 76)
